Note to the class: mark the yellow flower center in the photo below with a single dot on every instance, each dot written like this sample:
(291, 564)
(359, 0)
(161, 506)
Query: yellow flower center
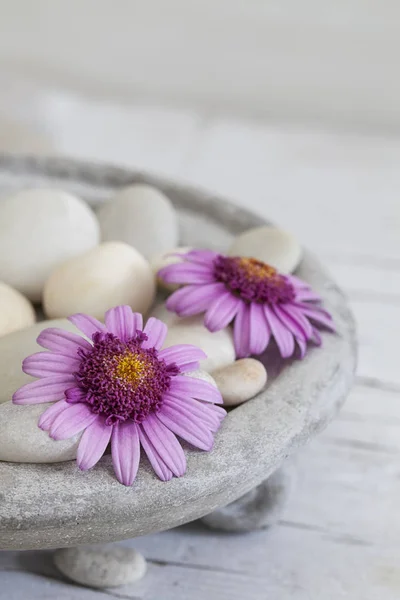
(256, 269)
(132, 368)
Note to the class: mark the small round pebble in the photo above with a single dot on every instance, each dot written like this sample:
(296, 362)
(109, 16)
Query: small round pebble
(101, 566)
(271, 245)
(142, 216)
(203, 375)
(23, 442)
(16, 312)
(164, 259)
(240, 381)
(40, 229)
(111, 274)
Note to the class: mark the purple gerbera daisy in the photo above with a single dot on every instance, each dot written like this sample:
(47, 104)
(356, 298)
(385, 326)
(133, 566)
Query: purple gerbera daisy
(120, 387)
(262, 302)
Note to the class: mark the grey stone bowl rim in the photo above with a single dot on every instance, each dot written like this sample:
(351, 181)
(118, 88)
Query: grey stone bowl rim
(44, 506)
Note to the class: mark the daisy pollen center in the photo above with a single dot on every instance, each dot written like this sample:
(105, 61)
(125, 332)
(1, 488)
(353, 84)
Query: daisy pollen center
(121, 380)
(253, 280)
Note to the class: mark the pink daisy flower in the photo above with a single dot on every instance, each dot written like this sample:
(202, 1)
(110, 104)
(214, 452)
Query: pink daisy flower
(261, 302)
(120, 387)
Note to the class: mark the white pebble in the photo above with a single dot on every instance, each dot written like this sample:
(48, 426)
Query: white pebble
(199, 374)
(273, 246)
(16, 312)
(16, 346)
(101, 566)
(164, 259)
(240, 381)
(111, 274)
(22, 440)
(142, 216)
(39, 229)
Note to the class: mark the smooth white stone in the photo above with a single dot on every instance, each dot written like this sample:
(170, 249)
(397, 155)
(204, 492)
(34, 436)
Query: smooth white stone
(16, 346)
(111, 274)
(101, 566)
(40, 229)
(22, 441)
(142, 216)
(165, 259)
(240, 381)
(218, 346)
(16, 312)
(273, 246)
(199, 374)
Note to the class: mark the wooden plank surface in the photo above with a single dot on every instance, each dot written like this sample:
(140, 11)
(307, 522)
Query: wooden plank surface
(340, 534)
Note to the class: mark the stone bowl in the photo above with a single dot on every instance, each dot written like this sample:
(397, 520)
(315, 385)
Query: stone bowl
(44, 506)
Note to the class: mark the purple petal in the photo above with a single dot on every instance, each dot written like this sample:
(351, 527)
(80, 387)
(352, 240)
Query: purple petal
(47, 418)
(74, 395)
(156, 332)
(302, 346)
(194, 299)
(192, 431)
(88, 325)
(221, 311)
(62, 342)
(186, 273)
(196, 388)
(318, 316)
(241, 331)
(201, 257)
(125, 451)
(289, 322)
(159, 466)
(303, 295)
(259, 330)
(195, 410)
(283, 337)
(166, 445)
(298, 283)
(295, 321)
(48, 389)
(123, 323)
(71, 421)
(46, 364)
(182, 355)
(93, 444)
(316, 338)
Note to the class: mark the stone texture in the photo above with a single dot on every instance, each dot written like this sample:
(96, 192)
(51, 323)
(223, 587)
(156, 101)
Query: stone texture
(16, 310)
(22, 441)
(142, 216)
(270, 245)
(41, 504)
(40, 229)
(261, 507)
(101, 566)
(240, 381)
(109, 275)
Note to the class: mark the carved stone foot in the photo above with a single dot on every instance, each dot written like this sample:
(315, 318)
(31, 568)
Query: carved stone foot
(259, 508)
(100, 566)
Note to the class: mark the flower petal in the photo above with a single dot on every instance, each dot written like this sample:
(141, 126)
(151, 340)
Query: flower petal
(182, 354)
(195, 410)
(159, 466)
(201, 257)
(156, 332)
(93, 444)
(192, 431)
(71, 421)
(318, 316)
(194, 299)
(186, 273)
(241, 331)
(302, 346)
(298, 324)
(283, 337)
(196, 388)
(47, 417)
(125, 450)
(297, 282)
(48, 389)
(46, 364)
(87, 324)
(74, 394)
(221, 311)
(62, 342)
(259, 329)
(304, 295)
(123, 323)
(166, 445)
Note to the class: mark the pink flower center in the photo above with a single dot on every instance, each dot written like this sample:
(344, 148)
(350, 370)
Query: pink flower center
(253, 280)
(122, 380)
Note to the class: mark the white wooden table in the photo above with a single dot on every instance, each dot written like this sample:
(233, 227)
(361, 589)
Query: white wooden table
(340, 193)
